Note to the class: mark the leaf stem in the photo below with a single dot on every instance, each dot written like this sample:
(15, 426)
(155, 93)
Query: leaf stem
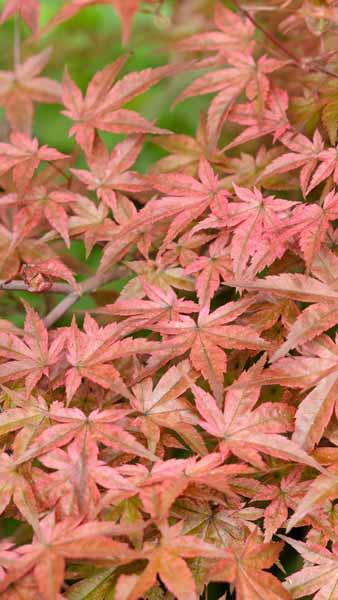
(17, 43)
(267, 33)
(59, 170)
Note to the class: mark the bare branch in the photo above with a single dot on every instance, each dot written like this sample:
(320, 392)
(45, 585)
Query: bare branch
(17, 285)
(56, 313)
(89, 285)
(295, 59)
(17, 43)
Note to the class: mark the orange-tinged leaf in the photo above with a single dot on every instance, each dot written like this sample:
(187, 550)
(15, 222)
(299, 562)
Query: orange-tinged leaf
(100, 108)
(320, 575)
(243, 567)
(324, 487)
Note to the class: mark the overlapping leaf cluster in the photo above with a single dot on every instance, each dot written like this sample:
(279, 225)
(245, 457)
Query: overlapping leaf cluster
(180, 433)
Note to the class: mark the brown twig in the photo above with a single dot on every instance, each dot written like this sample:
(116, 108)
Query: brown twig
(265, 32)
(17, 285)
(89, 285)
(59, 310)
(278, 44)
(17, 43)
(59, 170)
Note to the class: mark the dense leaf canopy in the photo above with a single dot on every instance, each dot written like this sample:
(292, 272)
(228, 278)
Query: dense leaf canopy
(169, 300)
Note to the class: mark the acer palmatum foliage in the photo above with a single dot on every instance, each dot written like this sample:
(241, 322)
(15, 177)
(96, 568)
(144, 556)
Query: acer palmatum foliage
(178, 432)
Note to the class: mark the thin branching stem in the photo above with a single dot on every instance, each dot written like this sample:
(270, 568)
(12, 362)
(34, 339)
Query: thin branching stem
(89, 285)
(17, 285)
(295, 59)
(16, 43)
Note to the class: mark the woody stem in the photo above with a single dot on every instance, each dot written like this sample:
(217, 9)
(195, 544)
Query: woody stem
(16, 285)
(89, 285)
(17, 43)
(279, 45)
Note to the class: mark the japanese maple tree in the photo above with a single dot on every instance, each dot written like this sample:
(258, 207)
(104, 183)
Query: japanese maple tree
(169, 303)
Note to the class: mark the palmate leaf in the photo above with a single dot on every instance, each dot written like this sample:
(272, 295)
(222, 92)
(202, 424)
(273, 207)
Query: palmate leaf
(20, 88)
(166, 560)
(215, 526)
(244, 568)
(246, 431)
(101, 106)
(206, 472)
(23, 156)
(165, 406)
(253, 217)
(320, 575)
(186, 151)
(242, 74)
(206, 339)
(90, 355)
(211, 269)
(282, 496)
(109, 173)
(37, 203)
(231, 29)
(273, 120)
(314, 319)
(291, 285)
(163, 305)
(31, 357)
(317, 368)
(55, 542)
(309, 224)
(15, 487)
(72, 484)
(72, 423)
(323, 488)
(189, 198)
(304, 155)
